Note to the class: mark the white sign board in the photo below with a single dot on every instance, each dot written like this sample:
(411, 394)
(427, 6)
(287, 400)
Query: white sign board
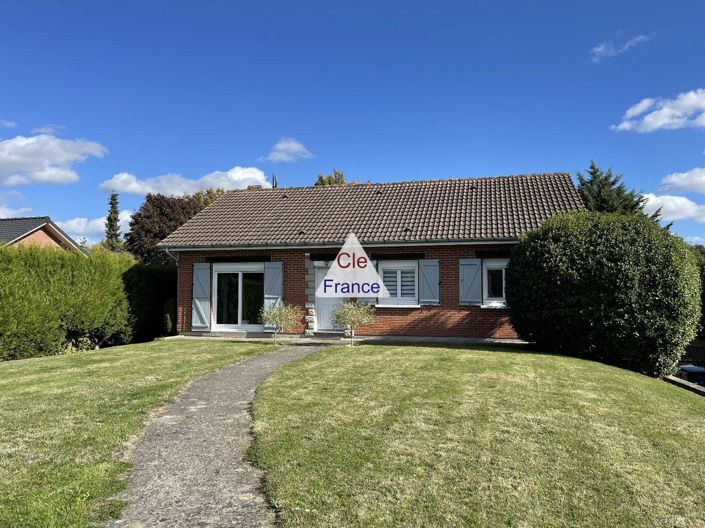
(352, 274)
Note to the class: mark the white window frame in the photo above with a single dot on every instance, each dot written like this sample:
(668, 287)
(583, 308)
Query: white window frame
(494, 264)
(398, 266)
(239, 268)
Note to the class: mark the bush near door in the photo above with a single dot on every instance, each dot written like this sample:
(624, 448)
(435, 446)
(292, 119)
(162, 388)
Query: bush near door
(615, 288)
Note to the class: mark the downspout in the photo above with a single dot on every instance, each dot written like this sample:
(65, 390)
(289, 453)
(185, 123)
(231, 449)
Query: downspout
(176, 260)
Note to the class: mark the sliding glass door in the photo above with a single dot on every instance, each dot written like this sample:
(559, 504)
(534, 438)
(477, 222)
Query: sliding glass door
(239, 295)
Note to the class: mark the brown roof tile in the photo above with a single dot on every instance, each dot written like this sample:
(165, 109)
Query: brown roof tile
(471, 209)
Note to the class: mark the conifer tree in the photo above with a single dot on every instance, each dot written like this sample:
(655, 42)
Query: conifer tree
(113, 241)
(604, 192)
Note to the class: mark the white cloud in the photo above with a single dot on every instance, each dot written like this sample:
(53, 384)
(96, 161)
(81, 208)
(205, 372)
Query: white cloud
(686, 110)
(43, 159)
(609, 49)
(177, 185)
(6, 123)
(287, 150)
(49, 128)
(688, 181)
(699, 240)
(92, 229)
(7, 210)
(675, 207)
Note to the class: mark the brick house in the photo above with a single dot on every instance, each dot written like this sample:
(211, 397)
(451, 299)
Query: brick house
(34, 231)
(441, 248)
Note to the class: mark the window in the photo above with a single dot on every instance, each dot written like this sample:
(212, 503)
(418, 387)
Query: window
(238, 294)
(493, 283)
(400, 279)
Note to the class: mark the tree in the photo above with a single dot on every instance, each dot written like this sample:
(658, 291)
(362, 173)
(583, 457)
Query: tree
(352, 315)
(157, 218)
(337, 178)
(112, 241)
(604, 192)
(208, 196)
(281, 317)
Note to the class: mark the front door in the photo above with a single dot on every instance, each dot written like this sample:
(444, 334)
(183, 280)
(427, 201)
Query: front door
(238, 295)
(325, 305)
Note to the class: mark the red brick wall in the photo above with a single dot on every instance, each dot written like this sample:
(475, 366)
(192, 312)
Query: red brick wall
(39, 238)
(294, 280)
(448, 319)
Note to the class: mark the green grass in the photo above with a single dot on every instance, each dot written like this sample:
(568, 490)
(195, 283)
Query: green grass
(65, 419)
(407, 436)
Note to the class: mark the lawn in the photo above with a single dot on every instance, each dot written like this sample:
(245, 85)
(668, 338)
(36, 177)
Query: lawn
(65, 419)
(412, 436)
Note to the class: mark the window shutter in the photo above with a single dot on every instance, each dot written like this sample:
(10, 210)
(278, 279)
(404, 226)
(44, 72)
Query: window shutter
(429, 283)
(201, 299)
(470, 282)
(273, 283)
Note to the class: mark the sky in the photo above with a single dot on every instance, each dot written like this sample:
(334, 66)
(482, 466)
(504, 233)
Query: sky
(174, 96)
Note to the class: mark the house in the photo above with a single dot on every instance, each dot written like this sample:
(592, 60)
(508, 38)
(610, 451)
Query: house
(34, 230)
(440, 246)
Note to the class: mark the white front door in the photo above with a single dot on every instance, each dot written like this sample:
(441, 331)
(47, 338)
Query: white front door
(325, 305)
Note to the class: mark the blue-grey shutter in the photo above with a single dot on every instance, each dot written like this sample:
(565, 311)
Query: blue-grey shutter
(273, 283)
(201, 301)
(470, 282)
(429, 283)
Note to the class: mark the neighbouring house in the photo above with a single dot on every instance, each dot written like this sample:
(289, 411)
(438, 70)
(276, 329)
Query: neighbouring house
(440, 246)
(36, 231)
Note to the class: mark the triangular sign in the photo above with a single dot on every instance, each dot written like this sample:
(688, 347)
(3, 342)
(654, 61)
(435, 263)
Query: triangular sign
(352, 274)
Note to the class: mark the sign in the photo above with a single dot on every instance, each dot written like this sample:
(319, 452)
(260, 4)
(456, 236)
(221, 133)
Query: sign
(352, 274)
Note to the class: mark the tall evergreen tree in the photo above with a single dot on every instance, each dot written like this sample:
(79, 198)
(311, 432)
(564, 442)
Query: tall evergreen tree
(112, 241)
(604, 192)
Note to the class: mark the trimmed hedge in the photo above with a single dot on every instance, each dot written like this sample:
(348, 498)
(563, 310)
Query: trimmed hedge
(701, 255)
(614, 288)
(151, 293)
(55, 301)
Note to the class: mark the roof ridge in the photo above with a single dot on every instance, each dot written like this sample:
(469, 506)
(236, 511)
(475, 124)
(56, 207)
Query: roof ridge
(406, 182)
(26, 218)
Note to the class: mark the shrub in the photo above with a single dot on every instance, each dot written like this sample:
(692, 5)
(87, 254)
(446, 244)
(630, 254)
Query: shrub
(151, 292)
(52, 301)
(281, 317)
(701, 256)
(615, 288)
(352, 315)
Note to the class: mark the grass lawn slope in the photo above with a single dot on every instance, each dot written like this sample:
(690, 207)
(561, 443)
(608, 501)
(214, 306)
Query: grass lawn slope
(411, 436)
(64, 419)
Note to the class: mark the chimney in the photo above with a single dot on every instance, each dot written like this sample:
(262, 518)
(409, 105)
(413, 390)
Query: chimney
(249, 187)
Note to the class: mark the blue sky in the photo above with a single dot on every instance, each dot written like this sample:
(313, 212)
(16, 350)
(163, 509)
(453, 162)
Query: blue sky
(173, 96)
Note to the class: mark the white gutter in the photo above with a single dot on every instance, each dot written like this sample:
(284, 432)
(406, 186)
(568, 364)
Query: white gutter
(324, 246)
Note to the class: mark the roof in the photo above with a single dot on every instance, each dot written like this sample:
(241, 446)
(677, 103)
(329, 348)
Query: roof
(433, 211)
(12, 229)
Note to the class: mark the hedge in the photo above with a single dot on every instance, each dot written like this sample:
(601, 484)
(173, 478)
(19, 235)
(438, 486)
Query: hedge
(151, 293)
(614, 288)
(54, 301)
(701, 255)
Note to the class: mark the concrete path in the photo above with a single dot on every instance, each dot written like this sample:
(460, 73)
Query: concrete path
(189, 468)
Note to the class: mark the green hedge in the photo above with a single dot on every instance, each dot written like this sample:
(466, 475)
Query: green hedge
(615, 288)
(53, 301)
(151, 293)
(701, 255)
